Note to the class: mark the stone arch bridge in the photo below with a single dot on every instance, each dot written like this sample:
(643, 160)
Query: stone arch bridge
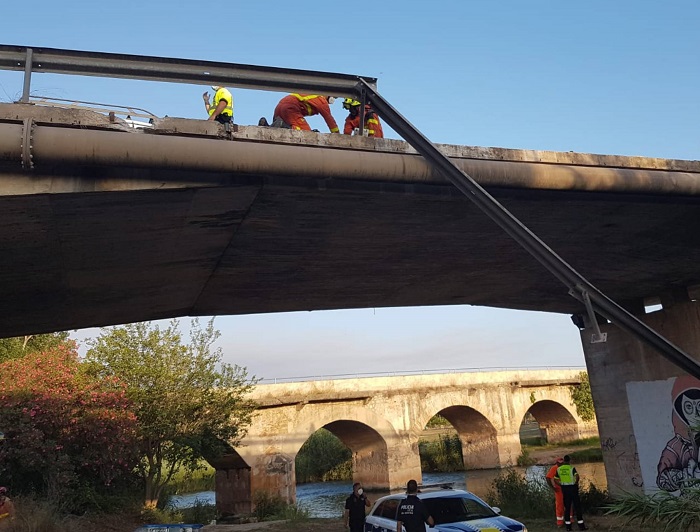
(381, 419)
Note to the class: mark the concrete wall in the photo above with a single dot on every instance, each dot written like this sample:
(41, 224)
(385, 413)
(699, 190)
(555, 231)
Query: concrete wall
(381, 420)
(632, 387)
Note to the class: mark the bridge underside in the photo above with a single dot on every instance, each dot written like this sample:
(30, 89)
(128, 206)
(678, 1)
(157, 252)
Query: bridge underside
(89, 245)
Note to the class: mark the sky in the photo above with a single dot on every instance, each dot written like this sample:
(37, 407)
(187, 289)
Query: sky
(609, 77)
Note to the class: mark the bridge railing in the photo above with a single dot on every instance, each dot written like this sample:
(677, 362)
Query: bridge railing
(168, 69)
(408, 373)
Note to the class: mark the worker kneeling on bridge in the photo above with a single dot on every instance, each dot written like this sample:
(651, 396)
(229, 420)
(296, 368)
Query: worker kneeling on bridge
(292, 109)
(222, 108)
(372, 127)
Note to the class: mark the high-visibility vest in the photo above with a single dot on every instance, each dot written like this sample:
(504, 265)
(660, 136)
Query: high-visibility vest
(305, 100)
(566, 475)
(223, 94)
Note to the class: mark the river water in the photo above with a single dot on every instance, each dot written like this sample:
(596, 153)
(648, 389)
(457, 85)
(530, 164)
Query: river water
(327, 499)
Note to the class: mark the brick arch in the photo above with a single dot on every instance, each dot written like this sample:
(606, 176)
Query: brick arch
(477, 434)
(556, 421)
(370, 454)
(367, 435)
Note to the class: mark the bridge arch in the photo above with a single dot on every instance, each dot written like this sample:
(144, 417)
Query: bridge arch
(370, 454)
(478, 436)
(557, 423)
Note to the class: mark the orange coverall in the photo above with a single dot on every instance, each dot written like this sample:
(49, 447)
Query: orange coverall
(371, 123)
(558, 495)
(293, 108)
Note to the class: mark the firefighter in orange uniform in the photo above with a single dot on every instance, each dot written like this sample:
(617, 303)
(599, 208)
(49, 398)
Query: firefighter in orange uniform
(7, 510)
(372, 126)
(292, 109)
(558, 495)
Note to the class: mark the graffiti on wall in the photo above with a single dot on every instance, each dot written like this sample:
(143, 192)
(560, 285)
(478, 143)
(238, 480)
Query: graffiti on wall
(666, 420)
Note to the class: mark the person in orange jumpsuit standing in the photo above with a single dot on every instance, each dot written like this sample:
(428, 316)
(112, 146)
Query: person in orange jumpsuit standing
(372, 126)
(293, 108)
(558, 495)
(7, 510)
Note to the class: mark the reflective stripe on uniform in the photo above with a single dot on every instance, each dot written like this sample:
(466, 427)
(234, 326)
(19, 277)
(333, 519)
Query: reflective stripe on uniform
(223, 94)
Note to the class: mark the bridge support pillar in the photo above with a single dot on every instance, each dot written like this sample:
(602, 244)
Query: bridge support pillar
(272, 472)
(633, 388)
(404, 463)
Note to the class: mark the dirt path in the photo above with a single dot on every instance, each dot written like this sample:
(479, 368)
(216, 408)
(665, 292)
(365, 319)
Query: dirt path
(547, 456)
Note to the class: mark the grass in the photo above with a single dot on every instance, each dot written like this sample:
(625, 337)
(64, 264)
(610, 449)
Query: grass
(662, 510)
(593, 441)
(591, 453)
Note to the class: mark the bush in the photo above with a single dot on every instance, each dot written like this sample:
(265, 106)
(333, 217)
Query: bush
(270, 507)
(267, 506)
(442, 455)
(199, 513)
(525, 459)
(519, 497)
(36, 515)
(150, 514)
(323, 457)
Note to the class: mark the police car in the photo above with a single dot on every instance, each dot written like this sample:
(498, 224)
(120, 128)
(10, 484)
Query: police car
(453, 511)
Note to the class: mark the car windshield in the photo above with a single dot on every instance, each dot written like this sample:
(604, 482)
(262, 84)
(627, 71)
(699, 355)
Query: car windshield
(456, 509)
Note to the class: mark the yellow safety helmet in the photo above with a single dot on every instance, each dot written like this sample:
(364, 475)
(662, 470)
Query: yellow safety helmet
(348, 103)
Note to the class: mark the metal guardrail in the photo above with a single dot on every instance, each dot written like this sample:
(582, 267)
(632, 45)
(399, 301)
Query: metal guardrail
(150, 68)
(410, 373)
(364, 89)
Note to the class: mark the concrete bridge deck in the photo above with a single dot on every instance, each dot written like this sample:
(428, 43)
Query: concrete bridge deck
(114, 225)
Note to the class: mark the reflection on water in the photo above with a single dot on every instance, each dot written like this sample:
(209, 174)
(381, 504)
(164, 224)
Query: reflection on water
(327, 499)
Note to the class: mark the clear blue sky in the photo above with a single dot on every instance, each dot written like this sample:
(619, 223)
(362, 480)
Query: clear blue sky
(611, 77)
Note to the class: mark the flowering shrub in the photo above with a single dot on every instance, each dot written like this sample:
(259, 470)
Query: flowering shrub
(62, 427)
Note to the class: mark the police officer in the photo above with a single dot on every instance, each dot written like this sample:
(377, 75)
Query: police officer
(355, 509)
(412, 512)
(567, 477)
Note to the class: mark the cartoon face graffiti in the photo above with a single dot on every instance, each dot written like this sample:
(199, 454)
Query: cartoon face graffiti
(678, 465)
(691, 410)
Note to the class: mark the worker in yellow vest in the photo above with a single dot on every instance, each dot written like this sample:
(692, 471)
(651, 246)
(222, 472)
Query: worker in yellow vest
(222, 108)
(567, 477)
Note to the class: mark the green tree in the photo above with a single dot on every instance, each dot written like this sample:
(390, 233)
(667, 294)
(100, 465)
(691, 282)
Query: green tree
(187, 402)
(19, 346)
(582, 398)
(321, 455)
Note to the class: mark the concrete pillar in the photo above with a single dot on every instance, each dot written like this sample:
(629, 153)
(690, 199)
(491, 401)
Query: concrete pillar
(622, 360)
(509, 449)
(273, 473)
(369, 466)
(403, 462)
(233, 491)
(482, 451)
(232, 484)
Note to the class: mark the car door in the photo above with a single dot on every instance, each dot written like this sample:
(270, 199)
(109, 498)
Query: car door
(383, 518)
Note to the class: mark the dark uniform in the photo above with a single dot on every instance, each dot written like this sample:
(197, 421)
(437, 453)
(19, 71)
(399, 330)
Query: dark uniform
(413, 514)
(356, 511)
